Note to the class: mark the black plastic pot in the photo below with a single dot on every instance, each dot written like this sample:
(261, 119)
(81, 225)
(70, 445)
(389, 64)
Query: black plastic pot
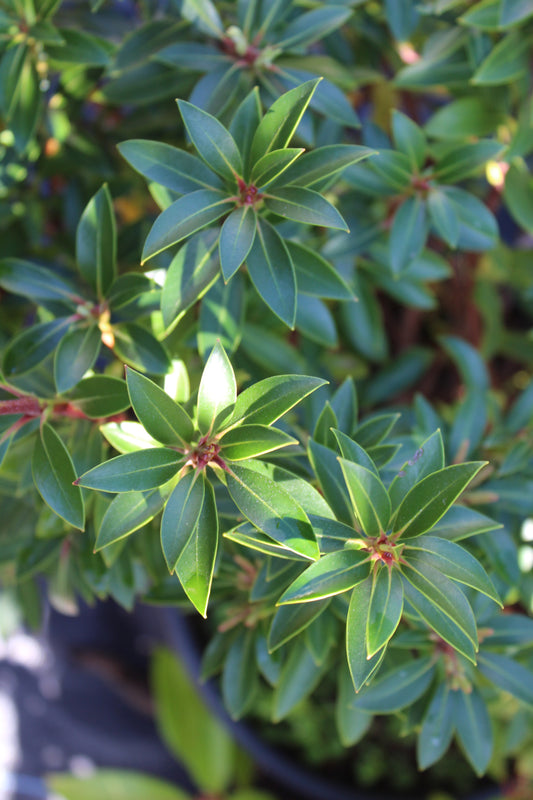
(302, 783)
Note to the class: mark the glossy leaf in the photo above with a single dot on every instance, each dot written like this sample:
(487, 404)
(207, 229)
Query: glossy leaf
(409, 139)
(266, 401)
(180, 517)
(431, 497)
(185, 216)
(299, 676)
(217, 392)
(474, 730)
(292, 619)
(249, 441)
(385, 610)
(274, 164)
(272, 272)
(53, 475)
(508, 675)
(196, 562)
(236, 239)
(408, 234)
(453, 561)
(443, 217)
(361, 667)
(315, 276)
(272, 509)
(369, 497)
(164, 419)
(332, 574)
(326, 466)
(137, 471)
(100, 396)
(192, 271)
(75, 355)
(34, 281)
(323, 162)
(214, 143)
(33, 345)
(437, 727)
(281, 120)
(127, 513)
(176, 169)
(96, 243)
(304, 205)
(427, 458)
(398, 688)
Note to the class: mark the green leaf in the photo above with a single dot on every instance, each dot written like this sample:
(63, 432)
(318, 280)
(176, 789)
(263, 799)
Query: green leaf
(408, 234)
(361, 667)
(371, 503)
(292, 619)
(127, 513)
(272, 272)
(460, 522)
(437, 727)
(431, 497)
(506, 62)
(272, 509)
(398, 688)
(508, 675)
(180, 517)
(465, 117)
(137, 471)
(323, 162)
(315, 321)
(26, 99)
(245, 121)
(478, 229)
(352, 723)
(304, 205)
(315, 276)
(53, 475)
(113, 784)
(518, 195)
(80, 47)
(312, 26)
(394, 168)
(164, 419)
(374, 430)
(514, 11)
(35, 282)
(33, 345)
(196, 563)
(217, 392)
(326, 466)
(385, 610)
(474, 729)
(409, 139)
(428, 458)
(273, 164)
(249, 441)
(96, 243)
(195, 735)
(236, 239)
(266, 401)
(185, 216)
(214, 143)
(332, 574)
(76, 353)
(192, 271)
(430, 601)
(221, 316)
(466, 160)
(443, 216)
(204, 15)
(239, 679)
(168, 166)
(453, 561)
(299, 676)
(281, 120)
(100, 396)
(352, 451)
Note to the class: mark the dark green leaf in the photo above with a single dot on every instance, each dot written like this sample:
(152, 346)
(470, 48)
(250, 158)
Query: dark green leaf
(507, 61)
(460, 522)
(164, 419)
(304, 205)
(266, 401)
(214, 143)
(245, 122)
(221, 316)
(176, 169)
(466, 160)
(76, 353)
(323, 162)
(361, 667)
(398, 688)
(236, 239)
(127, 513)
(192, 271)
(35, 282)
(508, 675)
(272, 272)
(53, 474)
(437, 728)
(326, 466)
(140, 349)
(299, 676)
(272, 509)
(290, 620)
(81, 47)
(315, 276)
(185, 216)
(374, 430)
(371, 503)
(332, 574)
(454, 562)
(409, 139)
(478, 229)
(431, 497)
(474, 729)
(239, 679)
(100, 396)
(315, 321)
(394, 168)
(385, 610)
(33, 345)
(408, 233)
(443, 217)
(312, 26)
(96, 243)
(273, 164)
(137, 471)
(428, 458)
